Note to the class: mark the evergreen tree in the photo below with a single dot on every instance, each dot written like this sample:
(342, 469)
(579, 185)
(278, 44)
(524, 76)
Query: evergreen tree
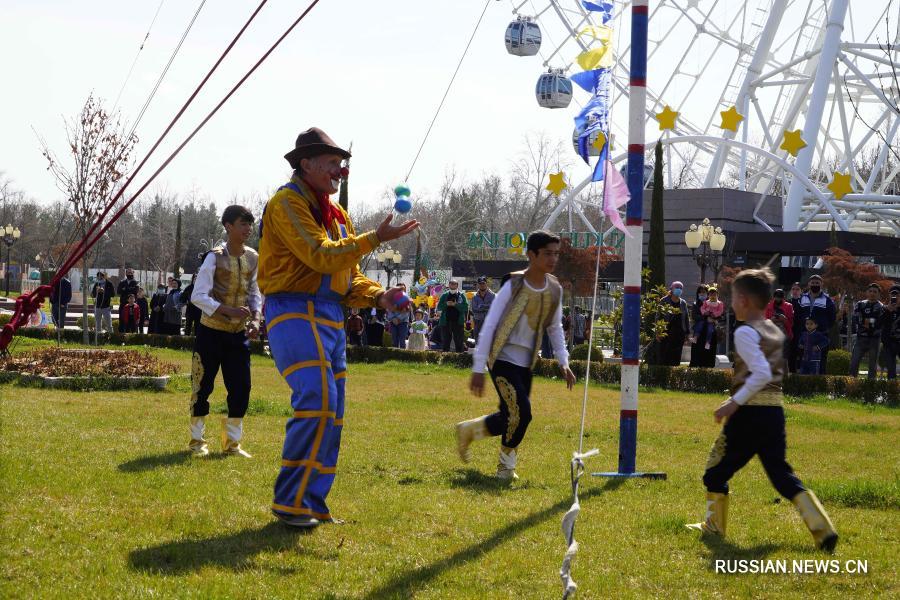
(176, 268)
(656, 248)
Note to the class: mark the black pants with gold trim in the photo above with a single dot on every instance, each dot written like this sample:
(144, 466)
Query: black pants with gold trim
(752, 430)
(214, 349)
(513, 384)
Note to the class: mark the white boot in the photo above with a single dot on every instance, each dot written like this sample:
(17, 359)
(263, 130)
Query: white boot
(232, 432)
(468, 432)
(198, 444)
(506, 468)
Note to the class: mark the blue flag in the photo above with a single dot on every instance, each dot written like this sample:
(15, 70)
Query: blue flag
(594, 117)
(604, 9)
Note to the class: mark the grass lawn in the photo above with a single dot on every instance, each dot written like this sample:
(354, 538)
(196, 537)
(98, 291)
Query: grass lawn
(101, 500)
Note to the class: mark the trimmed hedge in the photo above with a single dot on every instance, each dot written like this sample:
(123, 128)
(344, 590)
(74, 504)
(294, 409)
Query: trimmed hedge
(79, 323)
(580, 352)
(173, 342)
(838, 363)
(683, 379)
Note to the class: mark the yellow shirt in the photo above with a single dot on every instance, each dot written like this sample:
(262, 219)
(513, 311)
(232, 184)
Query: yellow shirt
(298, 255)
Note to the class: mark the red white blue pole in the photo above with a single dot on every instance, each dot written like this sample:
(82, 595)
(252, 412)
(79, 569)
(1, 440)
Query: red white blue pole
(631, 318)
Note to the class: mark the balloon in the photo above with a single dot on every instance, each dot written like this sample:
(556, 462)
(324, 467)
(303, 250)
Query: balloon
(403, 204)
(470, 295)
(398, 300)
(422, 281)
(402, 190)
(431, 301)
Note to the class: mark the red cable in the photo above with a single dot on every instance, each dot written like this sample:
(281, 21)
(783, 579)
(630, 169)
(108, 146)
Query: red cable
(197, 129)
(29, 303)
(80, 249)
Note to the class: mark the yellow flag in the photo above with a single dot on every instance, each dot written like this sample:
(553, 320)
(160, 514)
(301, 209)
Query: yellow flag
(600, 57)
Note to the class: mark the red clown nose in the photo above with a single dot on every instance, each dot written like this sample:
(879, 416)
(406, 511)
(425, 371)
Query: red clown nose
(345, 172)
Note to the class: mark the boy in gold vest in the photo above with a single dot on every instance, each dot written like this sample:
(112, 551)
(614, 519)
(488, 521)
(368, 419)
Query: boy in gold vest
(227, 294)
(526, 306)
(754, 416)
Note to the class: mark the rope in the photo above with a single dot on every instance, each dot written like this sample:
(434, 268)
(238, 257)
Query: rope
(166, 69)
(577, 464)
(137, 55)
(197, 129)
(447, 91)
(29, 303)
(83, 246)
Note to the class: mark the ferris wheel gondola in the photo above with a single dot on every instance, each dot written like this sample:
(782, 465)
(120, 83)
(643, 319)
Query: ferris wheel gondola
(523, 37)
(553, 89)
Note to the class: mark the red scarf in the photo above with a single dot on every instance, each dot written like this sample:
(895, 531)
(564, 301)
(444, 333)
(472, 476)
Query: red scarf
(327, 211)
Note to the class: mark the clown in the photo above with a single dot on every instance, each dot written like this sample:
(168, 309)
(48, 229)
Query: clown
(308, 268)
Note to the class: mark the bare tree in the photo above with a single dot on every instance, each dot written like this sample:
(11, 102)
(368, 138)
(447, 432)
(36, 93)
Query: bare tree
(98, 157)
(529, 203)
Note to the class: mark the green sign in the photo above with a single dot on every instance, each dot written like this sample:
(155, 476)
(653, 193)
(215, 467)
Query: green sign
(494, 240)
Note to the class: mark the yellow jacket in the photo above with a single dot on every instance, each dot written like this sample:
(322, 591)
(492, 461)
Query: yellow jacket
(298, 255)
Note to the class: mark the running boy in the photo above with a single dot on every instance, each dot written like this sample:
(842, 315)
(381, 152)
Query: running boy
(227, 294)
(526, 306)
(754, 416)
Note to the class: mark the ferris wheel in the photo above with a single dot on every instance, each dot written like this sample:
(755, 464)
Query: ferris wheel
(809, 89)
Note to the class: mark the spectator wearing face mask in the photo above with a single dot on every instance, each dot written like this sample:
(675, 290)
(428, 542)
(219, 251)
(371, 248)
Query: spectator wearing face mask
(891, 331)
(817, 305)
(797, 326)
(780, 312)
(453, 306)
(677, 326)
(103, 293)
(157, 304)
(868, 319)
(700, 355)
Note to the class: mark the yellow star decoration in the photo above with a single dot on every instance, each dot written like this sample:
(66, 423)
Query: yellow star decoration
(667, 118)
(599, 142)
(731, 118)
(557, 183)
(840, 185)
(793, 142)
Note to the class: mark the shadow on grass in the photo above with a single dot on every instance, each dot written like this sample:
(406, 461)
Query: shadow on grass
(473, 479)
(722, 549)
(232, 551)
(169, 459)
(405, 584)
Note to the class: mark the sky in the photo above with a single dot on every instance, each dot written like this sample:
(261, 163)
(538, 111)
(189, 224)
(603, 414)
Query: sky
(370, 73)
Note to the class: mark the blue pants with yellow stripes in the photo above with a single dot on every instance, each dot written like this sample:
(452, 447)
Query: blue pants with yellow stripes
(306, 337)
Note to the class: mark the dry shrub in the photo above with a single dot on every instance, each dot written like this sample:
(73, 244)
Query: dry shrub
(59, 362)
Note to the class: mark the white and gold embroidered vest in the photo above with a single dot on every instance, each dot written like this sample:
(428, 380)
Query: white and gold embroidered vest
(231, 285)
(772, 345)
(539, 307)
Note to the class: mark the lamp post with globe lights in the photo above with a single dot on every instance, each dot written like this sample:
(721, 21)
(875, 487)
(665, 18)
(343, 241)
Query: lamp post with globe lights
(706, 244)
(390, 262)
(11, 235)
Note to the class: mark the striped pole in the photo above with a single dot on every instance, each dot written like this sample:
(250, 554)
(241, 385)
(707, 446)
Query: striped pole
(631, 318)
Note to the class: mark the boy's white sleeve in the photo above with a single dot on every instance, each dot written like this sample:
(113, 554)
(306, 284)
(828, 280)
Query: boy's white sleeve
(558, 338)
(486, 335)
(203, 286)
(746, 343)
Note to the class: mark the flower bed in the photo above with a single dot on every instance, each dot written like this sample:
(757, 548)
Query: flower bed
(87, 369)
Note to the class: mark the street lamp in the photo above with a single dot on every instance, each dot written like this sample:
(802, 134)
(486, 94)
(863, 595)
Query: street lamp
(390, 262)
(10, 236)
(710, 241)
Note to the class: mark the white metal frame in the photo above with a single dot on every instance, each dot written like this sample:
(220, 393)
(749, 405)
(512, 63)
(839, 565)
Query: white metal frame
(795, 61)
